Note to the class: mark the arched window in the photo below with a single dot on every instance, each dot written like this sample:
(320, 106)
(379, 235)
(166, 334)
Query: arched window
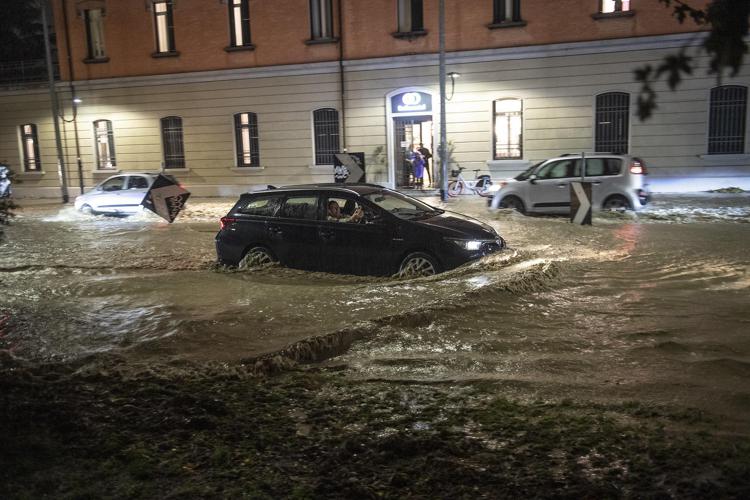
(612, 122)
(326, 135)
(171, 137)
(508, 129)
(246, 140)
(30, 148)
(727, 120)
(105, 145)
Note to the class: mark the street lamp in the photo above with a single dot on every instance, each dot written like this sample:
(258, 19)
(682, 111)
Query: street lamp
(453, 75)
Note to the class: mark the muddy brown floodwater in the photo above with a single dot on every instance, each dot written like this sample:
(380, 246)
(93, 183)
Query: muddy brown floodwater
(653, 307)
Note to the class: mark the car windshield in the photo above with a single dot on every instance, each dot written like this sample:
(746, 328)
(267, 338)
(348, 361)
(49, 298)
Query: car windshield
(526, 173)
(403, 207)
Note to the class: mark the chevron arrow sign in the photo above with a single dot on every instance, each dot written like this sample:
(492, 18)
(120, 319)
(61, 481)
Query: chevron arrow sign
(580, 203)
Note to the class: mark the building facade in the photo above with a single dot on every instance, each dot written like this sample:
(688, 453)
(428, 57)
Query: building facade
(231, 94)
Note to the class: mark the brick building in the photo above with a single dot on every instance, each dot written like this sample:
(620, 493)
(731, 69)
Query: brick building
(228, 94)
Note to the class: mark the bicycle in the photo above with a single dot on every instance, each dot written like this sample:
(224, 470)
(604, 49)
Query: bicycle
(480, 185)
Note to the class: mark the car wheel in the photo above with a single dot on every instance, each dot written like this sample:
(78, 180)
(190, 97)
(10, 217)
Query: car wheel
(617, 203)
(418, 264)
(455, 188)
(255, 257)
(514, 203)
(86, 209)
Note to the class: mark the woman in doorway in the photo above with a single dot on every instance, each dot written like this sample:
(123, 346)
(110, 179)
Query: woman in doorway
(417, 162)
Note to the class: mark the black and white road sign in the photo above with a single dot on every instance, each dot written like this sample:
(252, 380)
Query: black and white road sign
(165, 198)
(354, 162)
(580, 203)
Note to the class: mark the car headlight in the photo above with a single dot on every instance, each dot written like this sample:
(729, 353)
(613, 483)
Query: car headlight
(469, 245)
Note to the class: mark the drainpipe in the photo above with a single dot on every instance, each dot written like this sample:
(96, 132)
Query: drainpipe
(341, 74)
(54, 105)
(73, 96)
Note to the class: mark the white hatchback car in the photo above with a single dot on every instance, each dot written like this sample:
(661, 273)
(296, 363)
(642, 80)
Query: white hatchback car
(618, 183)
(119, 194)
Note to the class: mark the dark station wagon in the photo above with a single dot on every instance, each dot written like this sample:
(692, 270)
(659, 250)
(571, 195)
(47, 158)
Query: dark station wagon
(353, 228)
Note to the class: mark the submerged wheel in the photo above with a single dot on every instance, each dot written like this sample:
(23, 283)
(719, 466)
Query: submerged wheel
(255, 257)
(418, 264)
(455, 188)
(86, 209)
(514, 203)
(617, 203)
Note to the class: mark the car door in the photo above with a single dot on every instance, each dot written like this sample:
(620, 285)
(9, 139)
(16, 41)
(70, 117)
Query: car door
(362, 247)
(106, 197)
(549, 192)
(134, 192)
(293, 233)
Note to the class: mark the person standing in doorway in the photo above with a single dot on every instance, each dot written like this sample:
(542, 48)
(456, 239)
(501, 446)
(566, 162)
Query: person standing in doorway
(417, 162)
(426, 155)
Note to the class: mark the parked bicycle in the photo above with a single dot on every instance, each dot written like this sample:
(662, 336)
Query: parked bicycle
(479, 185)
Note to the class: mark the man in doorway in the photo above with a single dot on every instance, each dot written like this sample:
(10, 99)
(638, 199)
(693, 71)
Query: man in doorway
(426, 155)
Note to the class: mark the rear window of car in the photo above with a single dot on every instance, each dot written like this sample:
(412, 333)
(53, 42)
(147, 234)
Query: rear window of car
(261, 206)
(137, 182)
(596, 167)
(300, 207)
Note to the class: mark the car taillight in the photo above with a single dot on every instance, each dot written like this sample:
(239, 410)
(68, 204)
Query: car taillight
(225, 221)
(638, 167)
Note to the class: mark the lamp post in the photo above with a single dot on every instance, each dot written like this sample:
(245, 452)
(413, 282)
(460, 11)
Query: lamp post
(443, 128)
(54, 105)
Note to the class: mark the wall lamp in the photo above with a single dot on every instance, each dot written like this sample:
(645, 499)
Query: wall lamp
(453, 75)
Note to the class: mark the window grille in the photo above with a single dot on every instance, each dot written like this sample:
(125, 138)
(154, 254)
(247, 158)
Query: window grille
(174, 150)
(30, 147)
(239, 23)
(410, 16)
(326, 131)
(727, 120)
(321, 19)
(508, 129)
(246, 139)
(95, 33)
(164, 22)
(506, 11)
(105, 145)
(612, 122)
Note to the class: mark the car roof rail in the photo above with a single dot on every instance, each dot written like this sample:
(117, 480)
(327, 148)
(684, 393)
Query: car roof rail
(588, 153)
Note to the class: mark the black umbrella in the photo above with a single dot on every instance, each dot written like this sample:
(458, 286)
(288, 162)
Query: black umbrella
(165, 198)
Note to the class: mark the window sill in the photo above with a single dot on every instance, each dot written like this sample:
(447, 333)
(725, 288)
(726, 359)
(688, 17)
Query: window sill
(96, 60)
(613, 15)
(106, 171)
(409, 35)
(240, 48)
(176, 170)
(247, 170)
(725, 158)
(507, 24)
(319, 41)
(171, 53)
(30, 174)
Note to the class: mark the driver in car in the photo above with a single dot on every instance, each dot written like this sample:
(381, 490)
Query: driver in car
(334, 213)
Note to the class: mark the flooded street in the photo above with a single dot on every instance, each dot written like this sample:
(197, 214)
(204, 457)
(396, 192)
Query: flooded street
(651, 307)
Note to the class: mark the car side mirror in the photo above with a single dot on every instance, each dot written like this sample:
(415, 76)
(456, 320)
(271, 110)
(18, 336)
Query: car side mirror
(532, 178)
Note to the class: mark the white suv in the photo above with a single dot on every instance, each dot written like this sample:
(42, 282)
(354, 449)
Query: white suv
(119, 194)
(618, 183)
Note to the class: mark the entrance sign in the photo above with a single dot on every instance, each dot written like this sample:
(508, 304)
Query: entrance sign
(413, 102)
(580, 203)
(165, 198)
(354, 163)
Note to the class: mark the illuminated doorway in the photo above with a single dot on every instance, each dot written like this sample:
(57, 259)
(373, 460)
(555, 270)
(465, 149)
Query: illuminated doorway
(410, 133)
